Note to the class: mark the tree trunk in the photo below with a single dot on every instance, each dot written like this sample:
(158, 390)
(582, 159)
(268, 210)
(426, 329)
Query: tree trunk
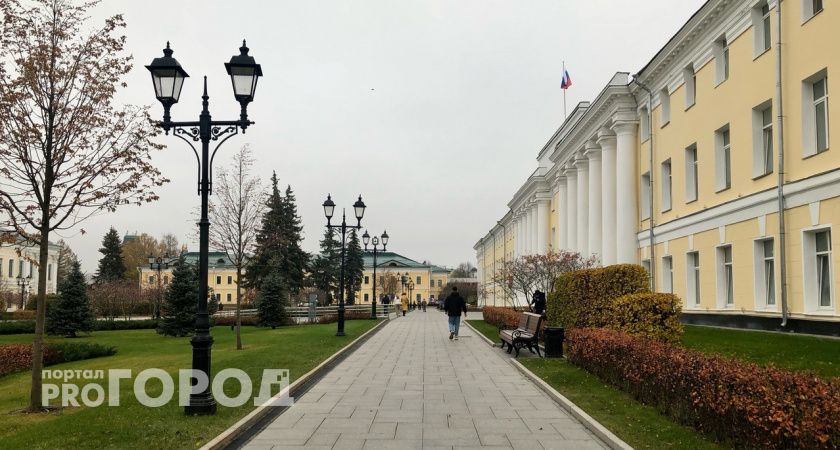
(40, 318)
(238, 308)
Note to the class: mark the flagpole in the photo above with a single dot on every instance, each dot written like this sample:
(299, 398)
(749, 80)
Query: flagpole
(563, 74)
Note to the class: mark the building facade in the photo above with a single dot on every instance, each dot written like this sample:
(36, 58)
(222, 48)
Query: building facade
(428, 279)
(19, 272)
(711, 167)
(221, 276)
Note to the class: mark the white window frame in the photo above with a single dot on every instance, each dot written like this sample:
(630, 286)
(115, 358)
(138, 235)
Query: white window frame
(721, 53)
(666, 185)
(646, 265)
(809, 114)
(763, 156)
(692, 188)
(692, 279)
(760, 282)
(725, 277)
(808, 9)
(668, 274)
(762, 32)
(810, 271)
(664, 107)
(723, 159)
(690, 80)
(644, 193)
(644, 127)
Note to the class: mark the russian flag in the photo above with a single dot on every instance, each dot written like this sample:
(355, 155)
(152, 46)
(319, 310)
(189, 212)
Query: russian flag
(567, 80)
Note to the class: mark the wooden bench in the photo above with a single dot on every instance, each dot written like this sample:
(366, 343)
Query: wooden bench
(525, 335)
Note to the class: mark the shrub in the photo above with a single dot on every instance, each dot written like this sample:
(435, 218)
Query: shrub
(738, 402)
(582, 299)
(501, 317)
(18, 357)
(113, 325)
(652, 315)
(18, 315)
(231, 320)
(17, 327)
(348, 315)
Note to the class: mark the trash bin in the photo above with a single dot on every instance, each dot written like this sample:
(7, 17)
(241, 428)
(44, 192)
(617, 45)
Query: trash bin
(554, 342)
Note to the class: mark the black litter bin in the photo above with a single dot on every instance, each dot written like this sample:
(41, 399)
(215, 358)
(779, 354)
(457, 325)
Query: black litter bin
(554, 342)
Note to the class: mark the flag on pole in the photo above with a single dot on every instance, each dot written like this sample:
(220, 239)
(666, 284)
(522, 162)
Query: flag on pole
(567, 80)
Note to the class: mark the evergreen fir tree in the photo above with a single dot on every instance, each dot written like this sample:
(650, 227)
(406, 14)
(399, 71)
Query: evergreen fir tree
(354, 268)
(179, 303)
(66, 258)
(111, 265)
(271, 307)
(71, 313)
(293, 260)
(327, 265)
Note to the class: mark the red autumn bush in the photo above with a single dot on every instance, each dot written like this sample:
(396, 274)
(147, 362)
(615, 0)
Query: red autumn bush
(501, 317)
(741, 403)
(18, 357)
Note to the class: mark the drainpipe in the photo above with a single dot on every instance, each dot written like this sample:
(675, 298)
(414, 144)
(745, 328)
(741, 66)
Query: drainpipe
(504, 243)
(650, 182)
(781, 176)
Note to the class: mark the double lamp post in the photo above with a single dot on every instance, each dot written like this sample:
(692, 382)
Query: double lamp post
(329, 210)
(168, 78)
(366, 240)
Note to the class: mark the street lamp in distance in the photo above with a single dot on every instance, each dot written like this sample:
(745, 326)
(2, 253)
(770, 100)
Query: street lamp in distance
(366, 239)
(329, 211)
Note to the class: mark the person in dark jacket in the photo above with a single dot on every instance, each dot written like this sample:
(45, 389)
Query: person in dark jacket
(538, 303)
(454, 305)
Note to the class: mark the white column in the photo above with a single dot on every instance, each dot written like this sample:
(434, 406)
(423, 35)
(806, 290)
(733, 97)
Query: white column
(582, 206)
(561, 213)
(593, 153)
(518, 236)
(571, 209)
(625, 198)
(532, 225)
(607, 143)
(543, 224)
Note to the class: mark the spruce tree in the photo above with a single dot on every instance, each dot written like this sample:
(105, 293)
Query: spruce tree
(354, 268)
(327, 265)
(271, 307)
(180, 301)
(111, 265)
(71, 313)
(293, 260)
(66, 258)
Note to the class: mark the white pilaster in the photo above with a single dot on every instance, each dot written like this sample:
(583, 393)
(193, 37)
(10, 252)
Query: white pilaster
(571, 211)
(561, 215)
(607, 142)
(625, 198)
(593, 153)
(532, 226)
(582, 206)
(543, 224)
(518, 237)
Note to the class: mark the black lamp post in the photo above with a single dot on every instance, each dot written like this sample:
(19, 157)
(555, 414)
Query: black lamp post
(329, 210)
(410, 289)
(168, 78)
(158, 264)
(366, 240)
(23, 284)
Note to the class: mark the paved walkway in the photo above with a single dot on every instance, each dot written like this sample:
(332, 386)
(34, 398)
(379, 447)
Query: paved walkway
(409, 387)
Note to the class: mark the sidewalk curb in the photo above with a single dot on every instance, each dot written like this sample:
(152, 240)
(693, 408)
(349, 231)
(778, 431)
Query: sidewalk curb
(585, 419)
(297, 388)
(590, 423)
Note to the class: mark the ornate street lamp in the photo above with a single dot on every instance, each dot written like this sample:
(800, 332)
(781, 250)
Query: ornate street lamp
(23, 284)
(329, 210)
(366, 240)
(410, 289)
(168, 78)
(158, 264)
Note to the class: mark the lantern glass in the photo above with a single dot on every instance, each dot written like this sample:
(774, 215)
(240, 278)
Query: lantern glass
(359, 208)
(244, 72)
(329, 208)
(366, 239)
(167, 77)
(385, 238)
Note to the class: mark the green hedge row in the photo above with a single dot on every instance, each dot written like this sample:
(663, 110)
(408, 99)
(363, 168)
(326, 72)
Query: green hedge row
(28, 326)
(18, 357)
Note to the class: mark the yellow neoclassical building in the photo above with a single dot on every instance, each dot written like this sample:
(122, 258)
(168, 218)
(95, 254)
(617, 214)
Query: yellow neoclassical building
(19, 272)
(718, 153)
(427, 280)
(221, 276)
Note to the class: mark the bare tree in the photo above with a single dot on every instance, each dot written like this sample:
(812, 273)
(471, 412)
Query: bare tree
(464, 270)
(68, 152)
(237, 208)
(527, 274)
(390, 283)
(169, 245)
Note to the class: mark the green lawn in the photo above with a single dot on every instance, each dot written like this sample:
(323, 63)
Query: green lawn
(491, 331)
(822, 355)
(131, 425)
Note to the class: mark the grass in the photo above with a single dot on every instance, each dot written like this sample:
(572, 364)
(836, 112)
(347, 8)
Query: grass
(131, 425)
(491, 331)
(795, 352)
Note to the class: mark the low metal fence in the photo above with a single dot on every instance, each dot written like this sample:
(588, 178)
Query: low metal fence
(304, 314)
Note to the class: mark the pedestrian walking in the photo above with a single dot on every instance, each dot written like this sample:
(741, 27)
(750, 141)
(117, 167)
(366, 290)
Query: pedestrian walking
(454, 305)
(404, 302)
(424, 305)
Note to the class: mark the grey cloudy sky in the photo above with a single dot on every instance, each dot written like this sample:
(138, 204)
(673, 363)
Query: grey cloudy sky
(433, 110)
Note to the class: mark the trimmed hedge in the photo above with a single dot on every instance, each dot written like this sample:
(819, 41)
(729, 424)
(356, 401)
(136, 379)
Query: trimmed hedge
(737, 402)
(17, 327)
(18, 315)
(649, 314)
(582, 299)
(501, 317)
(250, 321)
(28, 326)
(18, 357)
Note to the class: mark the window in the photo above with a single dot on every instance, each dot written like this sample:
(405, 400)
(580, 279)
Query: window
(667, 274)
(367, 279)
(645, 194)
(1, 267)
(811, 8)
(815, 131)
(218, 279)
(646, 265)
(817, 267)
(230, 279)
(690, 78)
(229, 297)
(418, 282)
(725, 284)
(431, 283)
(693, 278)
(761, 29)
(418, 298)
(723, 160)
(218, 298)
(666, 185)
(30, 269)
(763, 139)
(721, 51)
(821, 113)
(664, 106)
(367, 297)
(765, 274)
(644, 124)
(440, 284)
(49, 272)
(823, 254)
(691, 180)
(165, 279)
(11, 268)
(152, 279)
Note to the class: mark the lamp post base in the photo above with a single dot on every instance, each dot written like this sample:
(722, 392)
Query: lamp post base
(373, 311)
(201, 403)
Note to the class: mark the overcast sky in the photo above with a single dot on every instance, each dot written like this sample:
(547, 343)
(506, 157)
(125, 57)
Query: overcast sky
(434, 111)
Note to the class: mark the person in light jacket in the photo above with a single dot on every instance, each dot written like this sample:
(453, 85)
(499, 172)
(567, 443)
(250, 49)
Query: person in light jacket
(404, 302)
